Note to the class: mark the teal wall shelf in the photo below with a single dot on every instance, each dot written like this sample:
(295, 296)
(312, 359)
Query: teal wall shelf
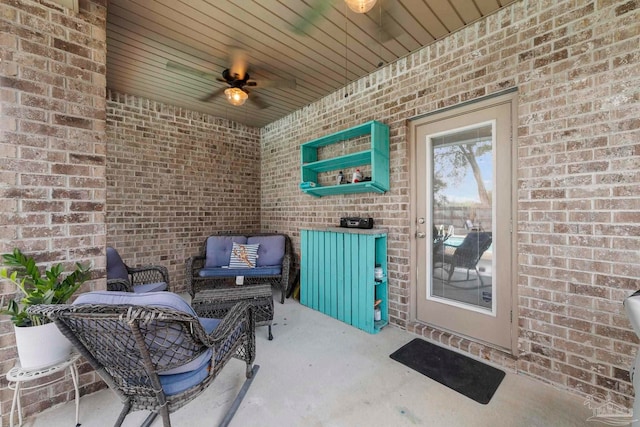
(377, 156)
(337, 275)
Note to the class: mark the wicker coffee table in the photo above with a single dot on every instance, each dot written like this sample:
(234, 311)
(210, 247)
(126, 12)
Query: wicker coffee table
(215, 303)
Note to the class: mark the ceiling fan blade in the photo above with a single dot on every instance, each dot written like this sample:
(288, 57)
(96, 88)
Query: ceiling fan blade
(303, 25)
(212, 95)
(176, 66)
(289, 84)
(239, 63)
(258, 102)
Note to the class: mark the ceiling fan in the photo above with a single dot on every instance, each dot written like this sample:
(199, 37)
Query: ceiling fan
(384, 26)
(237, 79)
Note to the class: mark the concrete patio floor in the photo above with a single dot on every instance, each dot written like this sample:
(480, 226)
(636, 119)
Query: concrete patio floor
(320, 372)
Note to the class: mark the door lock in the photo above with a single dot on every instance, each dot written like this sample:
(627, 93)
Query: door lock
(421, 234)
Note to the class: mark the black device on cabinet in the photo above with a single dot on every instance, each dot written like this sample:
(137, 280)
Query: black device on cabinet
(356, 222)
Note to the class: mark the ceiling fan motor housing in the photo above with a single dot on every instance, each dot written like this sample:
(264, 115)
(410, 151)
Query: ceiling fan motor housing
(235, 80)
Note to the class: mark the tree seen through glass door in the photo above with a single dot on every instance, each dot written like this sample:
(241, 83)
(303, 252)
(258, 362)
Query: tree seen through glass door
(462, 183)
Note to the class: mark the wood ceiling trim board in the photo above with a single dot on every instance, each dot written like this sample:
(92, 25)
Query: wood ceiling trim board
(119, 45)
(340, 82)
(144, 72)
(150, 35)
(257, 29)
(368, 26)
(447, 14)
(332, 26)
(487, 7)
(204, 86)
(425, 18)
(283, 16)
(176, 22)
(322, 72)
(194, 91)
(405, 41)
(408, 25)
(467, 10)
(357, 36)
(321, 50)
(309, 74)
(134, 54)
(143, 34)
(121, 20)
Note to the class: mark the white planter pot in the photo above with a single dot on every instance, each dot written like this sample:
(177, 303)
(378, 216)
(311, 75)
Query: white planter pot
(41, 346)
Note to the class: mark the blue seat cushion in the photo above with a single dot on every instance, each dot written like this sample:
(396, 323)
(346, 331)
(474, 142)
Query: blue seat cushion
(177, 383)
(272, 270)
(150, 287)
(218, 250)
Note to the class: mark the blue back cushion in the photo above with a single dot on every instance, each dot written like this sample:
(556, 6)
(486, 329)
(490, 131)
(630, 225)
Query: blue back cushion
(115, 266)
(219, 249)
(153, 299)
(270, 251)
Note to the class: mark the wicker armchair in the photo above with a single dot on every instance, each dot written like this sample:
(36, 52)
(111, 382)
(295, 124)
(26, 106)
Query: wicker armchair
(152, 349)
(465, 256)
(281, 279)
(121, 277)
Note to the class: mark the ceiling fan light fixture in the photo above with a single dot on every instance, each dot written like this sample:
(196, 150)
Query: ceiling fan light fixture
(236, 96)
(360, 6)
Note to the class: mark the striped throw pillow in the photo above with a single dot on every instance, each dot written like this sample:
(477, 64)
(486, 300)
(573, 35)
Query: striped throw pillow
(243, 256)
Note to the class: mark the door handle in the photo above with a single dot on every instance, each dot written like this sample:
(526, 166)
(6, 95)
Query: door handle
(421, 235)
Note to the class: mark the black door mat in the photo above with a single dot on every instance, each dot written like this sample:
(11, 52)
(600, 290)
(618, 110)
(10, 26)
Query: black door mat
(463, 374)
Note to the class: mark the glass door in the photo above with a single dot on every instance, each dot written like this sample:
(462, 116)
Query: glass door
(463, 198)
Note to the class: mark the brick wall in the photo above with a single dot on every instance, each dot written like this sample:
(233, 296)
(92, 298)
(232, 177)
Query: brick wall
(575, 65)
(52, 154)
(173, 178)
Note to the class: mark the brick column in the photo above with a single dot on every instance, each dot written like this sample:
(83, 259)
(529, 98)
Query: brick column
(52, 153)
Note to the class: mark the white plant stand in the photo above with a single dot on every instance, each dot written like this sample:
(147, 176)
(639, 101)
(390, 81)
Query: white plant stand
(17, 376)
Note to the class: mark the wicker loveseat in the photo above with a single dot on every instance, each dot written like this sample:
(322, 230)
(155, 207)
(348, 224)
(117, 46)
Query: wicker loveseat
(211, 267)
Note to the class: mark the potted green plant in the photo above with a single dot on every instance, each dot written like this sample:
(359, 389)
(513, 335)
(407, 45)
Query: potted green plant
(37, 288)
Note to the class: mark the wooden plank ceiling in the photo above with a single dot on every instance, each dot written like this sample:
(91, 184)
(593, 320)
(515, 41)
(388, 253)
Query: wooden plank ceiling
(309, 42)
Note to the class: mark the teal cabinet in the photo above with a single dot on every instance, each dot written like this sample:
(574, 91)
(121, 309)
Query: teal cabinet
(337, 275)
(376, 155)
